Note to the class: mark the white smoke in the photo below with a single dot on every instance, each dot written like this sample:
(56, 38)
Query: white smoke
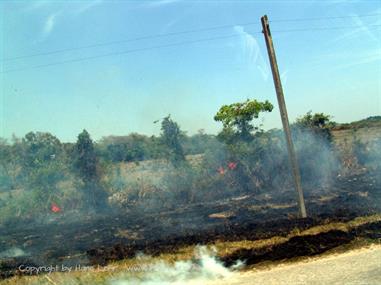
(204, 267)
(12, 252)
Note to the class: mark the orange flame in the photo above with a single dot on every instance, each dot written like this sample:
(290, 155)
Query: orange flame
(221, 170)
(55, 208)
(232, 165)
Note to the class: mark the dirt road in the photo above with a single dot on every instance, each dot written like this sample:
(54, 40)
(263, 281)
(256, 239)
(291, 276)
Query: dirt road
(362, 266)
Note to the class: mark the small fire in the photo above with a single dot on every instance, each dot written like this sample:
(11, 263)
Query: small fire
(232, 165)
(221, 170)
(55, 208)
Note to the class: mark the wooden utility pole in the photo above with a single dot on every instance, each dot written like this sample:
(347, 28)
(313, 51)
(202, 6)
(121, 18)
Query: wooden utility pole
(283, 114)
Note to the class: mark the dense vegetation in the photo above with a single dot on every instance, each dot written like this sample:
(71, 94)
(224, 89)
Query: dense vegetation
(39, 174)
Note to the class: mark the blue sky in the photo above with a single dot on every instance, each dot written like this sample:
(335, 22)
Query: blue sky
(336, 71)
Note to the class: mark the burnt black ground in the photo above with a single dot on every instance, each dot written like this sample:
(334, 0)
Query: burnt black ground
(307, 245)
(89, 240)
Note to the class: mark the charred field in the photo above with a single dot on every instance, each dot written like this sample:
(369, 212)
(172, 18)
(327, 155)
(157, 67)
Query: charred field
(101, 239)
(60, 209)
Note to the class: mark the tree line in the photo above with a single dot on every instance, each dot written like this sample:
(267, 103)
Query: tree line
(38, 170)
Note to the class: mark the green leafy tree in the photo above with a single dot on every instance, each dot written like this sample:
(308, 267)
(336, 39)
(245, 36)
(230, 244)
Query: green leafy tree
(319, 123)
(43, 168)
(134, 147)
(171, 137)
(315, 149)
(6, 166)
(244, 148)
(198, 143)
(40, 148)
(85, 157)
(85, 163)
(237, 119)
